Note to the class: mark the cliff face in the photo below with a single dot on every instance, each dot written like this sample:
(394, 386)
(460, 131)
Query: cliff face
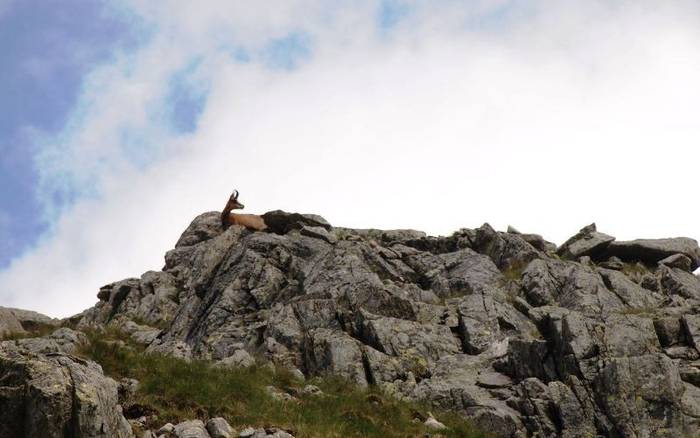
(596, 337)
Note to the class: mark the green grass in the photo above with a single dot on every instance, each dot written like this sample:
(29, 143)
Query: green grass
(634, 269)
(514, 272)
(176, 390)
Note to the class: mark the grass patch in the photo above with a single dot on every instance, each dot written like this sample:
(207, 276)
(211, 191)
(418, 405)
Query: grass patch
(514, 272)
(177, 390)
(36, 331)
(639, 310)
(634, 269)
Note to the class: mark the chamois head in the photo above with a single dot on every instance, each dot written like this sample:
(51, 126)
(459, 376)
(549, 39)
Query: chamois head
(233, 203)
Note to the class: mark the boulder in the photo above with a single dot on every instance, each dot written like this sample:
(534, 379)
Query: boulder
(407, 339)
(281, 222)
(652, 251)
(679, 261)
(327, 351)
(219, 428)
(484, 320)
(63, 340)
(679, 282)
(570, 285)
(203, 227)
(587, 242)
(29, 319)
(191, 429)
(535, 240)
(9, 324)
(507, 250)
(239, 359)
(45, 395)
(432, 424)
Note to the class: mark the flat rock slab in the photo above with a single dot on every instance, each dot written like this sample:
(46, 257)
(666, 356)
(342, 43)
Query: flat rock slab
(654, 250)
(281, 222)
(318, 233)
(493, 380)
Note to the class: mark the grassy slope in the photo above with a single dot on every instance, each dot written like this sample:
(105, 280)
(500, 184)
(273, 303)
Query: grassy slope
(178, 390)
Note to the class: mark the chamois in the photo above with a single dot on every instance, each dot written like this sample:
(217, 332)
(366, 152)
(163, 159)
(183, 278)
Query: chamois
(250, 221)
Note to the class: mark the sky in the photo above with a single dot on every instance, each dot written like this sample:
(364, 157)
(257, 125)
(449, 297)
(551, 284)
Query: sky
(122, 120)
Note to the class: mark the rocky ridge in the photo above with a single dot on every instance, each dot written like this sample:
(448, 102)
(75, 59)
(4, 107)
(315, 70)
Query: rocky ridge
(593, 338)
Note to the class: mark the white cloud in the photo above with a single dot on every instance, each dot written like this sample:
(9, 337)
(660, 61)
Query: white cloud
(546, 117)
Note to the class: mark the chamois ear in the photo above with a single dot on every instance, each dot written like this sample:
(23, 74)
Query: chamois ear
(235, 194)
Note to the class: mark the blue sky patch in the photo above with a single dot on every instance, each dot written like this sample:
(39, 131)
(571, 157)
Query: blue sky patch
(186, 99)
(286, 53)
(46, 49)
(391, 12)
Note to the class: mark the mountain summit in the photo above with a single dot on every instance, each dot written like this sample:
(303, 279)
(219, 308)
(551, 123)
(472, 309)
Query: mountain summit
(596, 337)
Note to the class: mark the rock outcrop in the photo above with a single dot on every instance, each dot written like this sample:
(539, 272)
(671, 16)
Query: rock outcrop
(47, 392)
(594, 338)
(17, 321)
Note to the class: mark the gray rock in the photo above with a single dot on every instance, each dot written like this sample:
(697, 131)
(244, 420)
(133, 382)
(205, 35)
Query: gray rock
(401, 235)
(493, 380)
(29, 320)
(45, 395)
(651, 251)
(569, 285)
(203, 227)
(281, 222)
(278, 395)
(219, 428)
(630, 390)
(239, 359)
(613, 263)
(153, 299)
(328, 351)
(408, 339)
(678, 282)
(535, 240)
(191, 429)
(63, 340)
(630, 293)
(127, 388)
(9, 323)
(247, 432)
(483, 321)
(311, 390)
(691, 326)
(432, 424)
(669, 331)
(298, 374)
(167, 428)
(141, 334)
(679, 261)
(318, 233)
(281, 434)
(682, 352)
(587, 345)
(506, 250)
(587, 242)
